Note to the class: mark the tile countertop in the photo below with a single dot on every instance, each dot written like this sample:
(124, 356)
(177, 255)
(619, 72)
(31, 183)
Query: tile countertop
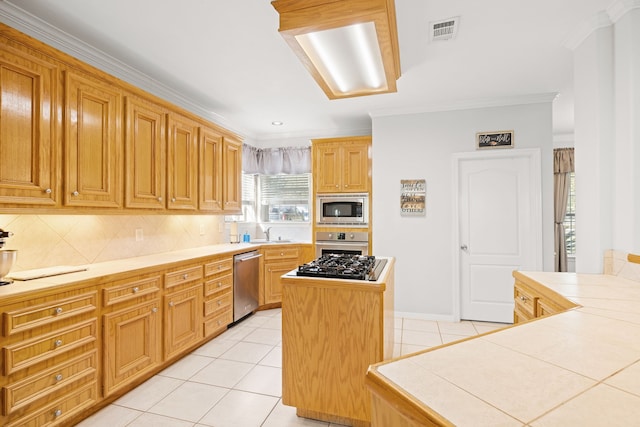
(111, 269)
(576, 368)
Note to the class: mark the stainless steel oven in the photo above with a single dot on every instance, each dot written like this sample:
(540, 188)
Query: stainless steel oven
(346, 209)
(338, 242)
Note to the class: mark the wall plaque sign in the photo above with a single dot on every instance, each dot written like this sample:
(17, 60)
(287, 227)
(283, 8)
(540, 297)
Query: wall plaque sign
(413, 197)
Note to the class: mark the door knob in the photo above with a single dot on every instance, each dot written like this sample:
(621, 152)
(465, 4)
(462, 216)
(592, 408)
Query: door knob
(464, 247)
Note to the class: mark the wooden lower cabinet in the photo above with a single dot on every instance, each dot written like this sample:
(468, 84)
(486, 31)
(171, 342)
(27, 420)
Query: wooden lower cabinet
(533, 300)
(218, 295)
(132, 330)
(279, 260)
(50, 356)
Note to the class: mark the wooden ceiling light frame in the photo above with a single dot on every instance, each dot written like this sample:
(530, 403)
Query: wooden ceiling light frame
(303, 16)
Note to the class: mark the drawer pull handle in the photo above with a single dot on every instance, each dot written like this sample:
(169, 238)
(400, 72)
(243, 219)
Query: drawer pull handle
(57, 343)
(184, 276)
(59, 377)
(135, 289)
(523, 298)
(219, 284)
(58, 310)
(57, 413)
(154, 310)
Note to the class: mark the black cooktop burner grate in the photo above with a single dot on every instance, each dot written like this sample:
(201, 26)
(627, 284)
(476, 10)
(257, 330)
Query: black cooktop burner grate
(342, 266)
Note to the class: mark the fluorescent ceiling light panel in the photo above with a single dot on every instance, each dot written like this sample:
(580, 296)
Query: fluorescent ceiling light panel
(348, 58)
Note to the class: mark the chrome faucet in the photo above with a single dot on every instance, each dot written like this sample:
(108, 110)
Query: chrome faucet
(266, 232)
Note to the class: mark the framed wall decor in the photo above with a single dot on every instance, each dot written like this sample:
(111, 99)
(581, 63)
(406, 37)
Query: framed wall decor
(413, 197)
(496, 139)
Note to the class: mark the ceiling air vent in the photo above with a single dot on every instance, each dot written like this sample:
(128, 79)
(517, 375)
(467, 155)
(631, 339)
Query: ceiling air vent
(444, 30)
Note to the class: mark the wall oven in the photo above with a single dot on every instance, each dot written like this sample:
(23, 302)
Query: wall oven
(347, 209)
(349, 243)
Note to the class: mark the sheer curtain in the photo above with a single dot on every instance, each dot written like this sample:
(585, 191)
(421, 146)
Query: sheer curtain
(272, 161)
(563, 165)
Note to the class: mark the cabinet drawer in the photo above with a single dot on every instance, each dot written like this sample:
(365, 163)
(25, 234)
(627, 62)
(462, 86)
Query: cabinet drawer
(218, 267)
(56, 412)
(217, 304)
(38, 386)
(217, 323)
(524, 301)
(182, 276)
(130, 289)
(218, 284)
(43, 314)
(27, 353)
(281, 253)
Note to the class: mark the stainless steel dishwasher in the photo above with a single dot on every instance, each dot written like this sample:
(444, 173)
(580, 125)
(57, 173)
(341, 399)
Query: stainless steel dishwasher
(246, 274)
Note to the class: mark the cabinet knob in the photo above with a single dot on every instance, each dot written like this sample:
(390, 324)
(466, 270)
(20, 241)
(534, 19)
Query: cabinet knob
(281, 253)
(219, 322)
(57, 343)
(219, 284)
(337, 186)
(171, 304)
(219, 303)
(48, 191)
(173, 199)
(184, 276)
(59, 377)
(159, 199)
(58, 310)
(346, 186)
(75, 193)
(523, 298)
(154, 310)
(219, 267)
(135, 289)
(57, 413)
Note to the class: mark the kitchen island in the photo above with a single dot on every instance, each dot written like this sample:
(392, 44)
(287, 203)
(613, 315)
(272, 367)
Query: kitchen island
(580, 367)
(332, 330)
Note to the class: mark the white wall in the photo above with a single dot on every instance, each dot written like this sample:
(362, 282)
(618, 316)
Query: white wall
(416, 146)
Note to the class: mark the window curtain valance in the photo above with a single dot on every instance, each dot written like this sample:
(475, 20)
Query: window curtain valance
(273, 161)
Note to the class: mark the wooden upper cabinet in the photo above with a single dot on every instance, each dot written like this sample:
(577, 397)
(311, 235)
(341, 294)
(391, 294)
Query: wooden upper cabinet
(232, 172)
(145, 155)
(210, 178)
(182, 157)
(342, 165)
(93, 143)
(29, 152)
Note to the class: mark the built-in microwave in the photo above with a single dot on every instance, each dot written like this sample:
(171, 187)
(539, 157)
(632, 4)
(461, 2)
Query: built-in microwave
(348, 209)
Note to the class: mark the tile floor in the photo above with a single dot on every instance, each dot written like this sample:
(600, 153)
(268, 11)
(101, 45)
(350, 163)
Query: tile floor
(235, 380)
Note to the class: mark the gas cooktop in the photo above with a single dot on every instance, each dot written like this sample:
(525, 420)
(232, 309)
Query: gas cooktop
(342, 266)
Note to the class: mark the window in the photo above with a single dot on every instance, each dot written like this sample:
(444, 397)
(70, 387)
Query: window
(570, 217)
(275, 198)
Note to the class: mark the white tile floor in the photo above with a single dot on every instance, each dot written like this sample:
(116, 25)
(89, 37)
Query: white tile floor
(235, 380)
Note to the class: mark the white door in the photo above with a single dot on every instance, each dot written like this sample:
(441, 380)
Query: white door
(499, 229)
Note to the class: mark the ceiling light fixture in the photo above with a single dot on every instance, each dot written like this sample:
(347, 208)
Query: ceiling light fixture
(350, 47)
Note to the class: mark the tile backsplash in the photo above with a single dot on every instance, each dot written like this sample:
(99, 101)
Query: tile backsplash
(616, 264)
(50, 240)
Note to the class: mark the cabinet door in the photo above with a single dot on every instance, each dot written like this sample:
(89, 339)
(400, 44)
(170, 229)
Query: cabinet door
(28, 149)
(210, 180)
(327, 168)
(183, 320)
(182, 176)
(272, 282)
(93, 152)
(355, 158)
(232, 175)
(145, 155)
(131, 344)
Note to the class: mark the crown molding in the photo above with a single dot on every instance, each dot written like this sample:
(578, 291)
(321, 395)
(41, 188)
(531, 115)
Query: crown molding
(33, 26)
(620, 8)
(468, 105)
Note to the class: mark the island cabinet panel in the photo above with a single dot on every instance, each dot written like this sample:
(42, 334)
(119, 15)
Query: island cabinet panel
(93, 143)
(332, 330)
(132, 330)
(28, 115)
(533, 300)
(50, 357)
(210, 178)
(232, 172)
(182, 184)
(145, 155)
